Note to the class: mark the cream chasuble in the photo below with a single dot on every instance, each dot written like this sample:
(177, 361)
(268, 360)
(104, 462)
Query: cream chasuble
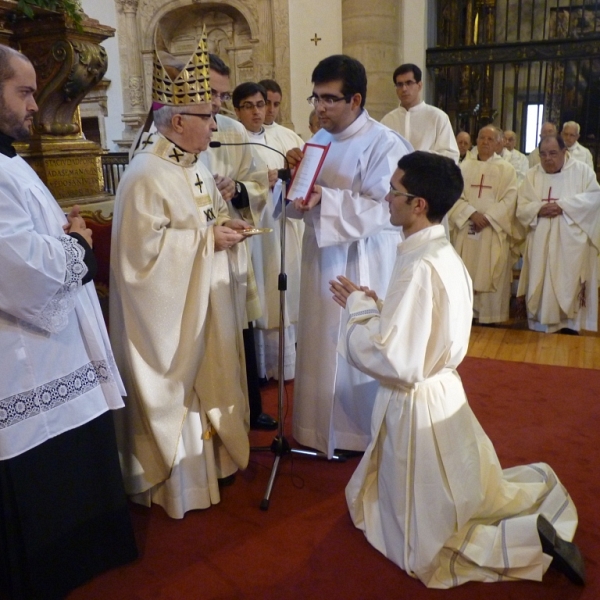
(176, 327)
(490, 189)
(429, 492)
(426, 128)
(348, 233)
(559, 278)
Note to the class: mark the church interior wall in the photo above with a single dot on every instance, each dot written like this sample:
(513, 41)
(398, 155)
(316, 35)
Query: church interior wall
(310, 18)
(382, 34)
(105, 12)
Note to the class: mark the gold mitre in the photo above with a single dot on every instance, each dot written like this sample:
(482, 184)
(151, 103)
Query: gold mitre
(175, 84)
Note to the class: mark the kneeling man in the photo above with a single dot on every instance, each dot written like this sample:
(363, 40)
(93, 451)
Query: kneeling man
(430, 493)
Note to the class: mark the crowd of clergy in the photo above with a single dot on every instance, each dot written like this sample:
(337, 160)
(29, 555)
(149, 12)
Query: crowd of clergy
(414, 233)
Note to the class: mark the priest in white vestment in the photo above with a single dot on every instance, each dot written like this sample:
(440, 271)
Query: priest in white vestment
(244, 185)
(424, 126)
(177, 289)
(429, 492)
(559, 205)
(61, 492)
(482, 227)
(249, 101)
(463, 141)
(347, 231)
(548, 128)
(510, 154)
(570, 134)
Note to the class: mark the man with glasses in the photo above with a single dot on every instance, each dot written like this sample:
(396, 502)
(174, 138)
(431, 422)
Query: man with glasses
(244, 185)
(347, 231)
(425, 127)
(558, 204)
(430, 493)
(177, 306)
(249, 101)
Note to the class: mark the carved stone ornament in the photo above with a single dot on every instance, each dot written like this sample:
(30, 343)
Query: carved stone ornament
(127, 6)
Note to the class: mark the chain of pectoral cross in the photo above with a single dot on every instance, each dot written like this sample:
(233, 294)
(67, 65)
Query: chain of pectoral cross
(481, 186)
(549, 199)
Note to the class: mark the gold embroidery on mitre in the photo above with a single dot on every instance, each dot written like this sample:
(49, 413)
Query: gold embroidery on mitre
(174, 84)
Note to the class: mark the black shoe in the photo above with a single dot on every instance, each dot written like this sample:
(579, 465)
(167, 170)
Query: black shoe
(566, 556)
(567, 331)
(226, 481)
(265, 422)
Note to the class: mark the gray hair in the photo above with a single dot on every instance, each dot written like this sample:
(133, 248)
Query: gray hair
(572, 124)
(163, 115)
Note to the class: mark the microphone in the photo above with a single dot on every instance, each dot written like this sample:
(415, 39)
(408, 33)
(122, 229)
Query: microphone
(283, 174)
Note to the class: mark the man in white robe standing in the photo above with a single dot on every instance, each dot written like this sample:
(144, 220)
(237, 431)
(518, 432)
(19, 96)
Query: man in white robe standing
(64, 511)
(559, 205)
(430, 493)
(286, 138)
(244, 185)
(347, 230)
(176, 322)
(424, 126)
(463, 141)
(517, 159)
(482, 227)
(548, 128)
(249, 101)
(570, 134)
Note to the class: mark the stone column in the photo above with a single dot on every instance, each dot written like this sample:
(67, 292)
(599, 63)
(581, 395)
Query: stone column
(132, 75)
(371, 33)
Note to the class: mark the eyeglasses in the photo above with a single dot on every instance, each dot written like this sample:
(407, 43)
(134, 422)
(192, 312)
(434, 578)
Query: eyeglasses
(395, 192)
(252, 105)
(204, 116)
(223, 96)
(328, 101)
(405, 84)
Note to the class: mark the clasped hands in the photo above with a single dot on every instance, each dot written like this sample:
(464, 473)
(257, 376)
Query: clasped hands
(343, 287)
(77, 224)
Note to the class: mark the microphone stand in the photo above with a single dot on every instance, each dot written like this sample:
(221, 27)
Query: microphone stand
(280, 446)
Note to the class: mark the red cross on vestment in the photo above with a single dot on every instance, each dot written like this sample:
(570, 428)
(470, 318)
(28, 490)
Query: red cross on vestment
(481, 186)
(549, 199)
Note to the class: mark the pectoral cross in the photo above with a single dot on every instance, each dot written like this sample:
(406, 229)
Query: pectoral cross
(148, 141)
(549, 199)
(316, 39)
(199, 183)
(176, 155)
(481, 186)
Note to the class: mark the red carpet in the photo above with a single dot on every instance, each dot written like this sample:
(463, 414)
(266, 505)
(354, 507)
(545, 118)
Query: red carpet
(305, 546)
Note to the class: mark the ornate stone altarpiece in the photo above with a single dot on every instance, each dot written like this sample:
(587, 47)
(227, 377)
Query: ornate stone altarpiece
(252, 38)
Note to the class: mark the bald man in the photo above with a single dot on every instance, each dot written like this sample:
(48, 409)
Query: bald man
(482, 224)
(517, 159)
(463, 141)
(548, 128)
